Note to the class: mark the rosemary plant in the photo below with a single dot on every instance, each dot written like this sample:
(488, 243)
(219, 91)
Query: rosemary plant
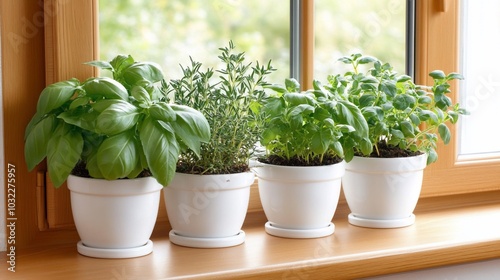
(230, 101)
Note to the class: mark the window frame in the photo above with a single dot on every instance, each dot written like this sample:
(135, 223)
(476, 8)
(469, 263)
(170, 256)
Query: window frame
(71, 34)
(437, 32)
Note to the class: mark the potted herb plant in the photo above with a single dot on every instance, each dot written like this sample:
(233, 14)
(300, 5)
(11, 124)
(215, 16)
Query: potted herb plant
(208, 198)
(117, 144)
(382, 183)
(300, 174)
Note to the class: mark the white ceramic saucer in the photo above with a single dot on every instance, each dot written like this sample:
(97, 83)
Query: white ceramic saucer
(197, 242)
(373, 223)
(115, 253)
(300, 233)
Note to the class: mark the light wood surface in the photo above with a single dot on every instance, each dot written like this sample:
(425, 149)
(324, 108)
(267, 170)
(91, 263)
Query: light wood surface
(448, 230)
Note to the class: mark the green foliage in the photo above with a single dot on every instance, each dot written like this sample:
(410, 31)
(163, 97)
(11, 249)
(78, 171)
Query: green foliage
(230, 103)
(117, 126)
(310, 126)
(399, 112)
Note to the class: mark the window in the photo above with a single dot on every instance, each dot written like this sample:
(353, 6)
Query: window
(168, 32)
(70, 39)
(375, 28)
(480, 90)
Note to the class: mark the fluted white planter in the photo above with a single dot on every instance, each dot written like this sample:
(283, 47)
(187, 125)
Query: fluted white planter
(208, 211)
(300, 202)
(114, 219)
(383, 192)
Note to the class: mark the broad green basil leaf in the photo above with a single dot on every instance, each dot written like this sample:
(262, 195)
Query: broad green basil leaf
(117, 118)
(106, 88)
(388, 87)
(366, 146)
(366, 100)
(117, 156)
(396, 133)
(103, 104)
(292, 85)
(142, 71)
(338, 149)
(121, 62)
(345, 128)
(63, 153)
(277, 88)
(84, 117)
(35, 147)
(320, 142)
(268, 135)
(101, 65)
(295, 98)
(301, 109)
(162, 112)
(191, 127)
(141, 94)
(93, 167)
(80, 101)
(380, 129)
(407, 129)
(161, 150)
(55, 95)
(351, 115)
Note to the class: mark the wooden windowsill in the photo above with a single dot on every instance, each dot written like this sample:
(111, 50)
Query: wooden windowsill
(448, 230)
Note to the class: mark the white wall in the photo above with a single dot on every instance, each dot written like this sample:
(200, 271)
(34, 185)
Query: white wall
(484, 270)
(3, 245)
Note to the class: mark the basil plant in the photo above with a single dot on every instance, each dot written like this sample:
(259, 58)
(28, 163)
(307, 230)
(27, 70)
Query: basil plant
(308, 128)
(114, 127)
(400, 114)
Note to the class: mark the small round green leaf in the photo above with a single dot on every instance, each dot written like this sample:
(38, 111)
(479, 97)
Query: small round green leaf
(444, 133)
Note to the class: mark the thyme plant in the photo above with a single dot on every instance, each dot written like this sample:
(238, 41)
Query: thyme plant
(229, 97)
(399, 113)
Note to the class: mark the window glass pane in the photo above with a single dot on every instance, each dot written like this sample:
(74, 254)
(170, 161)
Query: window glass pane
(169, 31)
(371, 27)
(480, 91)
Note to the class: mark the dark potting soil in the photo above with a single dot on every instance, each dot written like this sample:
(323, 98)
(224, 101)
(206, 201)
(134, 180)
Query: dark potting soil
(389, 151)
(81, 171)
(295, 161)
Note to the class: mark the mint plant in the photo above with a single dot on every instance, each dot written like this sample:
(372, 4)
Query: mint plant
(112, 127)
(309, 128)
(230, 101)
(400, 114)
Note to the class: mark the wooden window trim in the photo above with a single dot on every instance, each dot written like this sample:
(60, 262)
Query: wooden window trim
(71, 39)
(437, 47)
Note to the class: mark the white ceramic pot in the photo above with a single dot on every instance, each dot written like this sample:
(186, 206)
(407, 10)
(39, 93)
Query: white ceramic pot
(383, 192)
(208, 211)
(300, 202)
(114, 219)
